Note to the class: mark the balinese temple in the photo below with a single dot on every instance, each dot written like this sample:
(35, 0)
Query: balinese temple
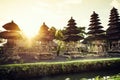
(71, 36)
(46, 43)
(113, 31)
(12, 33)
(96, 36)
(72, 32)
(44, 34)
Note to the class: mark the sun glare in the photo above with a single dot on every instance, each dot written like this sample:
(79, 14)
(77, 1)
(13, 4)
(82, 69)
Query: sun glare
(29, 34)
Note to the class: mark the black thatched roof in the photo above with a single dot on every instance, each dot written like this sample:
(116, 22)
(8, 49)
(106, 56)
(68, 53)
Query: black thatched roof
(10, 35)
(93, 27)
(113, 31)
(44, 27)
(96, 31)
(71, 33)
(96, 37)
(44, 34)
(11, 26)
(101, 37)
(71, 23)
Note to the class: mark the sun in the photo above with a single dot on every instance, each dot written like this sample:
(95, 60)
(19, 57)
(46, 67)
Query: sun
(29, 34)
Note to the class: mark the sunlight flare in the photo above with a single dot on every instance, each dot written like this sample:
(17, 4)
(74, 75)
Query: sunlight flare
(29, 33)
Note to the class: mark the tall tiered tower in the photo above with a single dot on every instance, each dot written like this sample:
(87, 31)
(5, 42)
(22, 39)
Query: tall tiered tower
(113, 31)
(95, 29)
(72, 37)
(72, 32)
(96, 34)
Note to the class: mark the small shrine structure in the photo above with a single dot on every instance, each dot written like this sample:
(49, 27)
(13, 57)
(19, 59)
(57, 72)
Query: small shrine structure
(46, 44)
(12, 33)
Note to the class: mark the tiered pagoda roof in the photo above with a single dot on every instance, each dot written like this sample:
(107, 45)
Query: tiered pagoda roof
(44, 34)
(113, 31)
(72, 32)
(11, 26)
(12, 31)
(10, 35)
(44, 28)
(95, 29)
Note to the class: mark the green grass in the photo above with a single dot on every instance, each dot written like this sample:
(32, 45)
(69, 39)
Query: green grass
(113, 77)
(51, 68)
(79, 61)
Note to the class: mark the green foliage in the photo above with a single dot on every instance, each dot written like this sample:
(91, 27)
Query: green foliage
(51, 68)
(59, 35)
(113, 77)
(83, 79)
(97, 78)
(69, 59)
(52, 31)
(82, 31)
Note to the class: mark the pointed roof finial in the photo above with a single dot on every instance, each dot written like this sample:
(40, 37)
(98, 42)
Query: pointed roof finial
(71, 20)
(12, 21)
(43, 23)
(94, 12)
(114, 8)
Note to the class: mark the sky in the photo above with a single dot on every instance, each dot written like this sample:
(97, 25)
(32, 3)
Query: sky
(30, 14)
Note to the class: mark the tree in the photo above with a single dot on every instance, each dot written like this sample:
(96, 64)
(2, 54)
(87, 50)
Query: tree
(52, 31)
(59, 35)
(82, 31)
(113, 31)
